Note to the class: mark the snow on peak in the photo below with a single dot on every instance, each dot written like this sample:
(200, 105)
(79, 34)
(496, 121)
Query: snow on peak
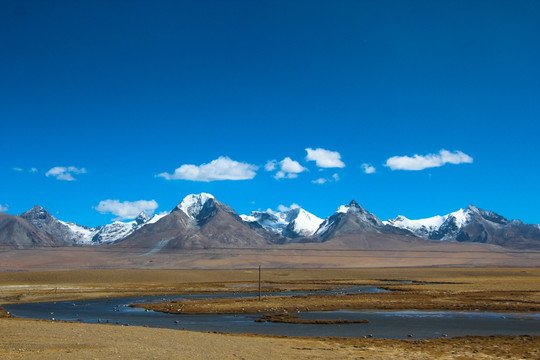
(449, 224)
(353, 208)
(157, 217)
(194, 203)
(269, 219)
(142, 218)
(81, 235)
(303, 222)
(292, 223)
(421, 225)
(462, 217)
(343, 209)
(110, 233)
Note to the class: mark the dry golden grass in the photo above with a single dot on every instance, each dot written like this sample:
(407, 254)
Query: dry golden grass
(439, 289)
(32, 286)
(28, 339)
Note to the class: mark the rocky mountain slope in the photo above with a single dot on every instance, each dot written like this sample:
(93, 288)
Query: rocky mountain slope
(17, 232)
(70, 233)
(199, 221)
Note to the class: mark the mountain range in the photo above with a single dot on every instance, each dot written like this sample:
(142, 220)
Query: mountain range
(201, 221)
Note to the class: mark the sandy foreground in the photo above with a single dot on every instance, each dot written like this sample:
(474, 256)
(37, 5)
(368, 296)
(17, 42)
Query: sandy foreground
(40, 339)
(27, 339)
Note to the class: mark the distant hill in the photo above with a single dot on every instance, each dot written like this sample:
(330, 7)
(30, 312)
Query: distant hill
(199, 221)
(18, 233)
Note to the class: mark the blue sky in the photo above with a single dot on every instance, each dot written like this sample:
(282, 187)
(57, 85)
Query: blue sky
(104, 100)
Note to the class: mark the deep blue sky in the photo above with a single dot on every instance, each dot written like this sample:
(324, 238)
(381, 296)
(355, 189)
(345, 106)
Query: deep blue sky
(130, 90)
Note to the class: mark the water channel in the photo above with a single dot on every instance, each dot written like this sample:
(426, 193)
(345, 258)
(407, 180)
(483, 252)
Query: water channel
(382, 324)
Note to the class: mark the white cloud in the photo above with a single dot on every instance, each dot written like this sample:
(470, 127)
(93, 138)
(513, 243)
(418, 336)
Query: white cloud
(289, 168)
(223, 168)
(32, 170)
(65, 173)
(325, 158)
(284, 208)
(421, 162)
(368, 169)
(320, 181)
(126, 209)
(4, 208)
(270, 165)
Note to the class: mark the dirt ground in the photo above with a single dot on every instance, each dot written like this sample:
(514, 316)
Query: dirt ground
(330, 255)
(444, 288)
(27, 339)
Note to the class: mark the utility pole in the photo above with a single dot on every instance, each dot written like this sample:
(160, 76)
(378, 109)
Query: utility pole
(259, 282)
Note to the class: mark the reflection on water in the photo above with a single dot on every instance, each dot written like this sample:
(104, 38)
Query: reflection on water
(388, 324)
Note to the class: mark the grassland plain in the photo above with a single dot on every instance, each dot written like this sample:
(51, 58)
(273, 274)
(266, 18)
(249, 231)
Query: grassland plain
(513, 289)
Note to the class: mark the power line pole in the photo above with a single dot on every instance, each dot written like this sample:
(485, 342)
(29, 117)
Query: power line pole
(259, 282)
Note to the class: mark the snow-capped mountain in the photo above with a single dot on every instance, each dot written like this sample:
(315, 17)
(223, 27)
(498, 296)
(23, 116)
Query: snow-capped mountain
(199, 221)
(470, 225)
(74, 234)
(422, 227)
(294, 223)
(445, 227)
(193, 204)
(349, 219)
(437, 227)
(119, 230)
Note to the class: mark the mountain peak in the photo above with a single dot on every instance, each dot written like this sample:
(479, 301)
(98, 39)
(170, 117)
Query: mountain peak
(488, 215)
(349, 219)
(36, 212)
(292, 223)
(352, 208)
(142, 218)
(192, 204)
